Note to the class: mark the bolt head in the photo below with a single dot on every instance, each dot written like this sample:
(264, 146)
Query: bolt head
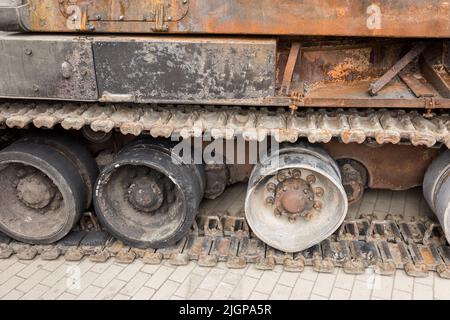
(271, 187)
(277, 212)
(311, 179)
(319, 192)
(297, 174)
(318, 205)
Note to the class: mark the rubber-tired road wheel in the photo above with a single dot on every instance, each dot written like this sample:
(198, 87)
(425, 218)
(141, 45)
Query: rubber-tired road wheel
(41, 195)
(147, 199)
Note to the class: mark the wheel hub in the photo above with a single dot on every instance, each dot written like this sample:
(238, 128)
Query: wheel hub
(35, 190)
(145, 194)
(294, 197)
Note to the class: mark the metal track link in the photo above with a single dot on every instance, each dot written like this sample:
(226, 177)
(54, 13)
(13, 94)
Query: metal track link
(384, 126)
(418, 247)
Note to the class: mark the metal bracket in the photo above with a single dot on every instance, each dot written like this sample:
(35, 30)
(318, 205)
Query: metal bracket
(160, 26)
(289, 69)
(375, 87)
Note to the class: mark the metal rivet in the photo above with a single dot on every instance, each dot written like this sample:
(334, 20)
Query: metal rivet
(28, 51)
(35, 88)
(169, 18)
(121, 18)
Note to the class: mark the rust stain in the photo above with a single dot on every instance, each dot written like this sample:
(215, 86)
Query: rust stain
(288, 17)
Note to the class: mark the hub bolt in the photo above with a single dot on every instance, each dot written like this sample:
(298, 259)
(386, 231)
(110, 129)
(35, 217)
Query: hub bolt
(281, 176)
(311, 179)
(317, 205)
(270, 200)
(271, 187)
(319, 192)
(297, 174)
(277, 212)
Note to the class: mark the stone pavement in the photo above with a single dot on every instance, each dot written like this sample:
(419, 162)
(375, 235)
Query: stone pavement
(58, 279)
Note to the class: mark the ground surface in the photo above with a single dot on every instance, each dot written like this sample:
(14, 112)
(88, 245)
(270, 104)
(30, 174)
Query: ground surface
(58, 279)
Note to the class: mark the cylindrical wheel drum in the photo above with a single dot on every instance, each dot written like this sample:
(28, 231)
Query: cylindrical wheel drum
(295, 198)
(436, 189)
(145, 198)
(41, 194)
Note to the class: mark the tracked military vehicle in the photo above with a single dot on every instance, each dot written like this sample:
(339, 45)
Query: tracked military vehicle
(353, 94)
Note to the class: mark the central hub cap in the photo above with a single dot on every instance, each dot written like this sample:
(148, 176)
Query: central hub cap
(294, 197)
(35, 191)
(145, 194)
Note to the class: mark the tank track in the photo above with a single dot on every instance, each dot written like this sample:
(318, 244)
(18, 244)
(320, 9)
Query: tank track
(418, 247)
(318, 126)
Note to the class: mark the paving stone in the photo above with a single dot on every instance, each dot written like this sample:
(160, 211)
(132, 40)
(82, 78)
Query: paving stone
(90, 293)
(107, 276)
(340, 294)
(258, 296)
(280, 292)
(180, 274)
(422, 292)
(136, 283)
(111, 289)
(67, 296)
(302, 289)
(13, 295)
(344, 280)
(35, 293)
(403, 282)
(222, 292)
(324, 284)
(33, 280)
(212, 279)
(309, 274)
(129, 271)
(12, 270)
(232, 278)
(361, 290)
(200, 294)
(160, 276)
(244, 288)
(382, 287)
(166, 291)
(9, 285)
(441, 288)
(288, 278)
(401, 295)
(144, 293)
(189, 285)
